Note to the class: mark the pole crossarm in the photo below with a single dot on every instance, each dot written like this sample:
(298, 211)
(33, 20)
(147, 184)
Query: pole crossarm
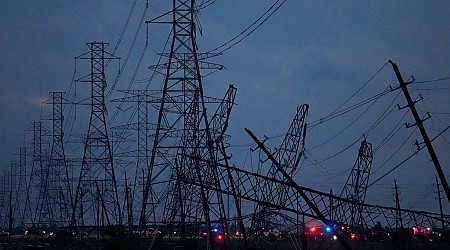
(423, 132)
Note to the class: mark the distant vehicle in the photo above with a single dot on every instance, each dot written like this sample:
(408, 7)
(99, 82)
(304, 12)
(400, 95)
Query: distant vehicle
(80, 234)
(4, 233)
(61, 234)
(380, 236)
(148, 232)
(34, 231)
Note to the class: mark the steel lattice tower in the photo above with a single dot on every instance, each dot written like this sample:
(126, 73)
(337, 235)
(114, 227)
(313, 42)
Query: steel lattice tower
(182, 135)
(21, 189)
(36, 205)
(96, 201)
(356, 185)
(140, 155)
(59, 191)
(4, 202)
(288, 155)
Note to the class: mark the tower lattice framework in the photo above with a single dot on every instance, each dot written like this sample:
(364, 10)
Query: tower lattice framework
(36, 204)
(96, 201)
(182, 136)
(58, 187)
(20, 190)
(355, 188)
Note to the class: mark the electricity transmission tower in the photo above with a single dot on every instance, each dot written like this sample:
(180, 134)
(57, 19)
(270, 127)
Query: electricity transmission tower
(4, 202)
(58, 186)
(183, 135)
(20, 189)
(355, 188)
(37, 202)
(288, 155)
(96, 201)
(140, 153)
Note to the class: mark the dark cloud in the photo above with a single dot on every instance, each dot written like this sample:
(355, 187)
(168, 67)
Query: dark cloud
(316, 52)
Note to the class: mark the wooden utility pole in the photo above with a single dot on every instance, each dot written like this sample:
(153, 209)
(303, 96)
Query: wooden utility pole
(419, 123)
(10, 215)
(440, 209)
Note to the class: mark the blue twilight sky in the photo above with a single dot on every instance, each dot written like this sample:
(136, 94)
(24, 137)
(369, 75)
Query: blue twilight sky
(322, 53)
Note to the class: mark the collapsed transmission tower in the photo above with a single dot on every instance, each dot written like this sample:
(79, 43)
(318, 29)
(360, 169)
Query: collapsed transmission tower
(355, 188)
(183, 135)
(288, 155)
(96, 201)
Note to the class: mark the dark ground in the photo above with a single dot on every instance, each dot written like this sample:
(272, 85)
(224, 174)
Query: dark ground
(45, 243)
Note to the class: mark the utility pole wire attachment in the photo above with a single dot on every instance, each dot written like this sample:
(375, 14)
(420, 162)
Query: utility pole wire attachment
(419, 123)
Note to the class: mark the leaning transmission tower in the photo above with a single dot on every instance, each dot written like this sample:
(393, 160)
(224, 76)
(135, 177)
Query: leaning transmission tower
(355, 188)
(96, 201)
(183, 148)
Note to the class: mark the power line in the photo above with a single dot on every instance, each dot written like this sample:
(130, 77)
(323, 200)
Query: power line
(250, 29)
(408, 158)
(433, 80)
(391, 134)
(395, 152)
(350, 124)
(332, 114)
(129, 52)
(397, 166)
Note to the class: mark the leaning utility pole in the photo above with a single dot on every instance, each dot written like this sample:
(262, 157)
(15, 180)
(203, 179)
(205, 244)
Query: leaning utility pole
(444, 234)
(398, 218)
(419, 123)
(96, 200)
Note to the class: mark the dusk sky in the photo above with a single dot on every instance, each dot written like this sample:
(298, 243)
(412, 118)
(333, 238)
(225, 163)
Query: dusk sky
(329, 54)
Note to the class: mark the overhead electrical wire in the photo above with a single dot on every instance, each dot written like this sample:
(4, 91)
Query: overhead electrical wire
(136, 34)
(137, 66)
(427, 195)
(433, 80)
(405, 160)
(432, 89)
(391, 134)
(338, 112)
(348, 109)
(372, 100)
(335, 114)
(349, 125)
(205, 4)
(135, 74)
(127, 22)
(392, 155)
(250, 29)
(383, 116)
(129, 86)
(318, 164)
(435, 115)
(156, 9)
(72, 110)
(435, 105)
